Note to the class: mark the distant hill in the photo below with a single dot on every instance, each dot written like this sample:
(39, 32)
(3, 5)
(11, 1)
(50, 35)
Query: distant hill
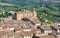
(24, 2)
(21, 2)
(6, 4)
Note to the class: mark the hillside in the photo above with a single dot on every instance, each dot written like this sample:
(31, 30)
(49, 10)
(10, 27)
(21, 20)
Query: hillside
(46, 10)
(20, 2)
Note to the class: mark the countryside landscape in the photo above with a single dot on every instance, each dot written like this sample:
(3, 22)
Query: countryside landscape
(47, 10)
(29, 18)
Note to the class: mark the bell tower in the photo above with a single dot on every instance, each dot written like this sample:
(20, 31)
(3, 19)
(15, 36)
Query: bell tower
(34, 12)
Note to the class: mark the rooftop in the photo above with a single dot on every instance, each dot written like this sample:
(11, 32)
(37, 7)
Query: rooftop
(48, 36)
(46, 28)
(3, 33)
(56, 26)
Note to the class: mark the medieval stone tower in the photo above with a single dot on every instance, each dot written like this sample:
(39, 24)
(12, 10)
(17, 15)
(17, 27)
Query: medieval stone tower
(35, 13)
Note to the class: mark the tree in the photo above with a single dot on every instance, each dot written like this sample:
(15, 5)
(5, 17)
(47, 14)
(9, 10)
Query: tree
(6, 14)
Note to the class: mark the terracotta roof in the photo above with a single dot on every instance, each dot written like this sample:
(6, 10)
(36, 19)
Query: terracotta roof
(35, 20)
(47, 36)
(27, 33)
(1, 24)
(10, 34)
(57, 26)
(3, 33)
(46, 27)
(17, 27)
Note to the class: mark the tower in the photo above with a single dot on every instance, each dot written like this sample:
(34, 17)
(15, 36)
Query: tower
(35, 13)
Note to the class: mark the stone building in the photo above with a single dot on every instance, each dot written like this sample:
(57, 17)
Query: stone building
(56, 28)
(25, 14)
(46, 29)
